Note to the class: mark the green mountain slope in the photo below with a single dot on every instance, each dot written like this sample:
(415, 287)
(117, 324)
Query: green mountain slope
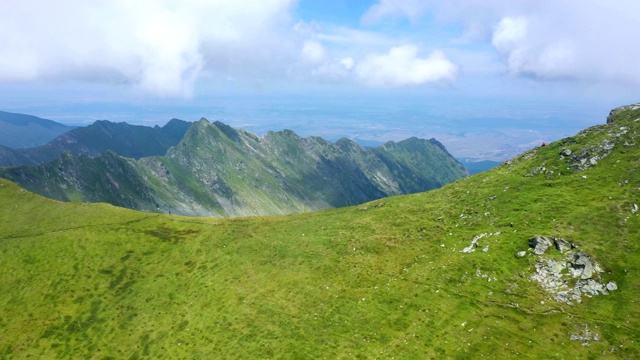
(132, 141)
(386, 279)
(19, 131)
(217, 170)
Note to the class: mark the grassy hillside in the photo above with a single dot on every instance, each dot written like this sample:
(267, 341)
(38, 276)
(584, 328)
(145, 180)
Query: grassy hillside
(387, 279)
(19, 131)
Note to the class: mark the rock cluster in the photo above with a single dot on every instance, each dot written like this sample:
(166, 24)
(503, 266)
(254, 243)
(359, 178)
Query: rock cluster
(571, 277)
(588, 156)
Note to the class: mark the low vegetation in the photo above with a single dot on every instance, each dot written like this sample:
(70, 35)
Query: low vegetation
(386, 279)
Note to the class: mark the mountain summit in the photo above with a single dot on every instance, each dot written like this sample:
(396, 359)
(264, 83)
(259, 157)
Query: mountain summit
(220, 171)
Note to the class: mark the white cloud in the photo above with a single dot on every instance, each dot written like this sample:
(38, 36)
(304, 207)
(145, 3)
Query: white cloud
(313, 52)
(590, 41)
(160, 46)
(402, 66)
(347, 62)
(509, 32)
(412, 9)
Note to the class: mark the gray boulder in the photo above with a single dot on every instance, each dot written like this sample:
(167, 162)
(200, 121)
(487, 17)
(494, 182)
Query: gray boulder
(583, 266)
(540, 244)
(562, 245)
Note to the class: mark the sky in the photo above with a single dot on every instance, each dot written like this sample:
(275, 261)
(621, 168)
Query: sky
(488, 78)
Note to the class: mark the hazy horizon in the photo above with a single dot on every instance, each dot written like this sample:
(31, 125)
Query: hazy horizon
(488, 79)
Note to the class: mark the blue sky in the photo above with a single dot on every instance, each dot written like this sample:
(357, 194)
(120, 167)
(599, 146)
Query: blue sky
(487, 78)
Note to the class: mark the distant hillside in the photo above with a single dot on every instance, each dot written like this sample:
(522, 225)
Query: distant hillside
(132, 141)
(18, 131)
(538, 258)
(475, 166)
(220, 171)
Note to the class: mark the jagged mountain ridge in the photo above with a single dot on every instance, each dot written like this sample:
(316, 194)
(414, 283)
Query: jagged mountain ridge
(220, 171)
(20, 131)
(134, 141)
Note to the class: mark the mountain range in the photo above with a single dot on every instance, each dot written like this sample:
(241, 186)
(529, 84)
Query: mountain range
(21, 131)
(216, 170)
(132, 141)
(536, 258)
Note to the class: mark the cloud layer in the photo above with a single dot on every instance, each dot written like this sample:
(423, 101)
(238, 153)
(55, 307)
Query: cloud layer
(160, 46)
(593, 40)
(167, 47)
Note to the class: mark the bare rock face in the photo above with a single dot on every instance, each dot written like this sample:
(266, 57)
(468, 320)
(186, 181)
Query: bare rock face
(570, 278)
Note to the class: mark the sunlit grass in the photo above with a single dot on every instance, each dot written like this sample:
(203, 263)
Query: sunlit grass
(379, 280)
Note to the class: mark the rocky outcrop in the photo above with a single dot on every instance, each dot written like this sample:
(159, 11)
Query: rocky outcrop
(567, 279)
(591, 155)
(615, 112)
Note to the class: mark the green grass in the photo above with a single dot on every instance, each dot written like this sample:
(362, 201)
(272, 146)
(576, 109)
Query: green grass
(380, 280)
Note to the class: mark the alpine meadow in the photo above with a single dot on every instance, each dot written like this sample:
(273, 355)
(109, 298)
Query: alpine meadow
(466, 271)
(312, 179)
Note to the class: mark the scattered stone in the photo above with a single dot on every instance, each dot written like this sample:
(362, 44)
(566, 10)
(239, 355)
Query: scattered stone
(591, 287)
(540, 244)
(474, 244)
(589, 156)
(486, 249)
(568, 279)
(548, 275)
(566, 152)
(585, 335)
(634, 208)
